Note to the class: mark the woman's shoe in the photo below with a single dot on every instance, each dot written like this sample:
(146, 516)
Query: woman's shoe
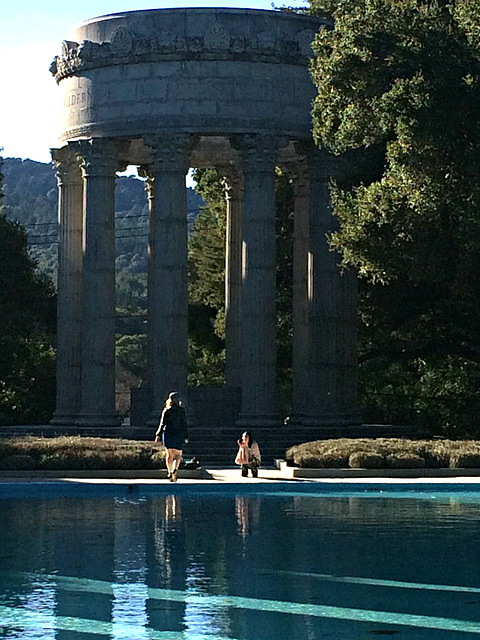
(174, 476)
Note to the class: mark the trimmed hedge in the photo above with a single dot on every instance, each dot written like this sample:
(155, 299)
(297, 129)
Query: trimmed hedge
(385, 453)
(79, 453)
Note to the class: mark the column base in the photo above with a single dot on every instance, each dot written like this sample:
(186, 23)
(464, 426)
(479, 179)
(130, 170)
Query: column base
(325, 420)
(64, 419)
(98, 420)
(249, 421)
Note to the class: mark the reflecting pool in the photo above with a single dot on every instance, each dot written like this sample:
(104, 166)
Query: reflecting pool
(141, 563)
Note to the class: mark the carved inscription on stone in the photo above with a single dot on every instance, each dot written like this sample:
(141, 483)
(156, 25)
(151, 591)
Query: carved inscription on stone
(80, 98)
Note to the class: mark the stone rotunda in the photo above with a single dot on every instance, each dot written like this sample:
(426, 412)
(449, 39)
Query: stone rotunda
(170, 89)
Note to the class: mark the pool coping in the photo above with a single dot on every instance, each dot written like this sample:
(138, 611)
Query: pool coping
(309, 473)
(280, 473)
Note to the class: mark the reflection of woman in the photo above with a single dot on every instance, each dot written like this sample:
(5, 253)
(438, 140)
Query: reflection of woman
(248, 456)
(174, 434)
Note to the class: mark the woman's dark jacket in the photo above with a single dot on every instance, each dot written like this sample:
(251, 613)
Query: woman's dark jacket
(173, 426)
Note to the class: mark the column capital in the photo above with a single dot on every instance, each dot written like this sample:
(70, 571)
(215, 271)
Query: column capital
(232, 182)
(258, 151)
(98, 156)
(170, 152)
(143, 172)
(318, 163)
(67, 166)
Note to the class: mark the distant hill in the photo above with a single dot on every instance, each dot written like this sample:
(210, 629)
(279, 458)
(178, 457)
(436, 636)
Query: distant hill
(31, 199)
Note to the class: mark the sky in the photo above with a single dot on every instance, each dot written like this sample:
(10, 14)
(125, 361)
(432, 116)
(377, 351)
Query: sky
(31, 33)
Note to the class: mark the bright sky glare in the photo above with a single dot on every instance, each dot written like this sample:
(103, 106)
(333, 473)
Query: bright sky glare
(31, 33)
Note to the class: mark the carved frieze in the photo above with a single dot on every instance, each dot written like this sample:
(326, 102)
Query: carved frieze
(216, 43)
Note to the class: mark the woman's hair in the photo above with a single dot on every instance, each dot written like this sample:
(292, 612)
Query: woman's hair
(173, 398)
(249, 438)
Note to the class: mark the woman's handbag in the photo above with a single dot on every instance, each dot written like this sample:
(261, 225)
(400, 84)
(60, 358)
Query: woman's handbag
(242, 456)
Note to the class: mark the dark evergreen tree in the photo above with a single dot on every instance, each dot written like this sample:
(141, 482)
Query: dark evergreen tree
(399, 95)
(27, 303)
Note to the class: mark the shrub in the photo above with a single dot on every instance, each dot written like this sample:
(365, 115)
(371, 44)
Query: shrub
(309, 462)
(158, 459)
(405, 461)
(365, 460)
(17, 462)
(77, 453)
(332, 458)
(395, 453)
(465, 460)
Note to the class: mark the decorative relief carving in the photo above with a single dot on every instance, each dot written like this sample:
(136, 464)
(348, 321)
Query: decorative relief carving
(217, 37)
(122, 41)
(97, 157)
(305, 39)
(318, 163)
(195, 44)
(127, 47)
(258, 151)
(170, 152)
(238, 44)
(67, 166)
(266, 41)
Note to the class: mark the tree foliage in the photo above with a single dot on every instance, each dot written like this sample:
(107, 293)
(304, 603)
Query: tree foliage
(27, 302)
(399, 95)
(206, 278)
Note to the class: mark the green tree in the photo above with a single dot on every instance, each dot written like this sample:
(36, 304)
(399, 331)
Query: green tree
(27, 302)
(398, 97)
(206, 266)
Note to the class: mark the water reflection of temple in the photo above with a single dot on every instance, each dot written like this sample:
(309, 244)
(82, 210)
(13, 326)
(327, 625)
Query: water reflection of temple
(220, 564)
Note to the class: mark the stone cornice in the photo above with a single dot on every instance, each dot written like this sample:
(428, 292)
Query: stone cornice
(126, 47)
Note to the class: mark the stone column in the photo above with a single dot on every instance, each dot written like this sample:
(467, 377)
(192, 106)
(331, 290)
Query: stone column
(300, 310)
(259, 394)
(99, 164)
(347, 350)
(331, 381)
(145, 172)
(168, 301)
(233, 279)
(69, 300)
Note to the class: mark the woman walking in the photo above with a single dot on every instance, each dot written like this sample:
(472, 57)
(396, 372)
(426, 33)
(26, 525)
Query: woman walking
(248, 456)
(173, 432)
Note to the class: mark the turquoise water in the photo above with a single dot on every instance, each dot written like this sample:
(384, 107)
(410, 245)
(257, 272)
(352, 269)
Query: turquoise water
(140, 563)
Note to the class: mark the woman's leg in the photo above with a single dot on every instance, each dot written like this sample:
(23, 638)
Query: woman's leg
(177, 458)
(170, 462)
